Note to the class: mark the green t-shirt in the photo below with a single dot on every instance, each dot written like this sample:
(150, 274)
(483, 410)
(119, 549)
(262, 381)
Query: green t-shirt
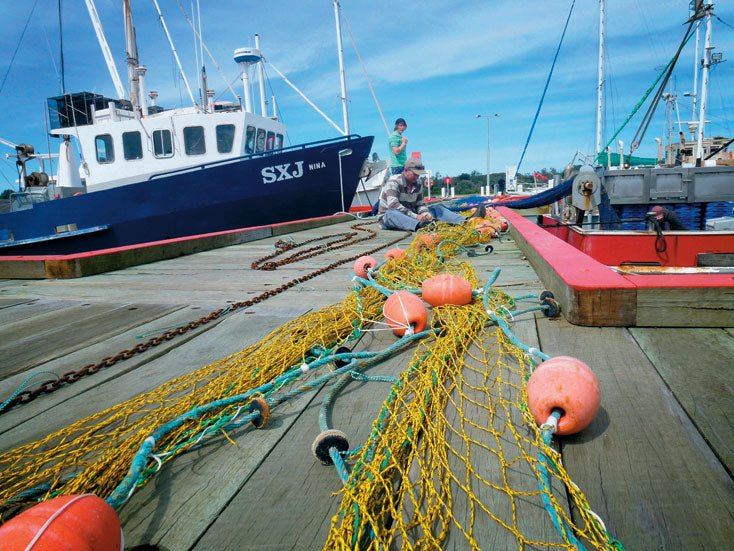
(396, 139)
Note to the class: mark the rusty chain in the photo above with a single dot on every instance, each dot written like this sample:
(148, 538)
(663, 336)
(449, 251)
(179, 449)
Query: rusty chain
(343, 240)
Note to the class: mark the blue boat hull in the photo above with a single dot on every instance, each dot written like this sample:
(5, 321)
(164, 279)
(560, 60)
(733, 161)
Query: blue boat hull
(295, 183)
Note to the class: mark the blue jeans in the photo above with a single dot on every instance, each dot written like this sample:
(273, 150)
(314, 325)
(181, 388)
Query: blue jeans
(396, 220)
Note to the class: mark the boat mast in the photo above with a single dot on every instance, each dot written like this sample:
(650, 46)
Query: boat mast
(600, 81)
(92, 9)
(261, 80)
(696, 62)
(131, 53)
(342, 75)
(704, 81)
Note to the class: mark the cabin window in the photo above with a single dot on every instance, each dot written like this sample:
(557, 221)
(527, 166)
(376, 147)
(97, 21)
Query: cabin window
(132, 146)
(225, 138)
(260, 144)
(279, 141)
(105, 149)
(250, 140)
(162, 143)
(270, 141)
(194, 140)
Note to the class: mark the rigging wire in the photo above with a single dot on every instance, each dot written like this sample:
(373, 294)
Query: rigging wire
(545, 89)
(61, 48)
(17, 46)
(366, 76)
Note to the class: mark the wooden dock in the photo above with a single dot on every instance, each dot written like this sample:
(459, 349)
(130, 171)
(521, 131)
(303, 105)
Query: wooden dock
(656, 464)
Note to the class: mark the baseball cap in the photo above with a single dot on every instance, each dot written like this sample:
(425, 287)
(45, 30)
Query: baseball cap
(658, 211)
(414, 165)
(401, 121)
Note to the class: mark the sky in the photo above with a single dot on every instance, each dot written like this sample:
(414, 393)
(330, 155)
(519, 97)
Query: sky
(436, 63)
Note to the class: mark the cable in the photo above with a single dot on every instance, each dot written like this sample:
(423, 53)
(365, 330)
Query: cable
(17, 47)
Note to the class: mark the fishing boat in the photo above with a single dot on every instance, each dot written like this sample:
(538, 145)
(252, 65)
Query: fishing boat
(132, 172)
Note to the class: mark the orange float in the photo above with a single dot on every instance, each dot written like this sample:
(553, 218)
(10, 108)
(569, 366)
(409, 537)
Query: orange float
(67, 523)
(394, 253)
(402, 310)
(362, 264)
(446, 289)
(428, 239)
(567, 384)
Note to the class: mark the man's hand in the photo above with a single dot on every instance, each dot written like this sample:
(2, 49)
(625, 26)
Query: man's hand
(404, 140)
(425, 217)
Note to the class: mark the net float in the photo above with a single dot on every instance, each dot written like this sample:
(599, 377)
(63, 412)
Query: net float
(403, 310)
(567, 384)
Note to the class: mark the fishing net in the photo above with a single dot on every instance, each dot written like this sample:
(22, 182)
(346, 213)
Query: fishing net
(453, 457)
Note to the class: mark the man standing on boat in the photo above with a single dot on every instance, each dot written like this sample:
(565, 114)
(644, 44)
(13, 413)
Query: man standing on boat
(398, 144)
(401, 202)
(667, 219)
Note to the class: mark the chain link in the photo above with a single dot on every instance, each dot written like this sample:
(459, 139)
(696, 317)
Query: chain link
(342, 240)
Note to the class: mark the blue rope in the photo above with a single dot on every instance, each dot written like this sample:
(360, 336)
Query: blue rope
(545, 89)
(25, 384)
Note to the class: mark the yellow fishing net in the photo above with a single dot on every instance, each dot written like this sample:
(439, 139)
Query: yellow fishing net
(452, 457)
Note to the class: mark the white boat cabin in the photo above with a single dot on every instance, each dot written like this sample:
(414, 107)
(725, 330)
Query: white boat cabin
(119, 146)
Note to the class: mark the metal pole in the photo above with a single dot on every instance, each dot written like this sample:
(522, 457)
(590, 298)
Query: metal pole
(342, 75)
(704, 82)
(600, 82)
(489, 192)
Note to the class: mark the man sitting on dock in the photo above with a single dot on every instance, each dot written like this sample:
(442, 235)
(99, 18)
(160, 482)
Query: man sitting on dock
(401, 202)
(667, 219)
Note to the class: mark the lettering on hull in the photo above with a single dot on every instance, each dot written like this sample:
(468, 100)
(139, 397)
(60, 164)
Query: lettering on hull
(278, 173)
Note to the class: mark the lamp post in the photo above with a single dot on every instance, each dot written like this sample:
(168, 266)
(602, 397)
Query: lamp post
(488, 117)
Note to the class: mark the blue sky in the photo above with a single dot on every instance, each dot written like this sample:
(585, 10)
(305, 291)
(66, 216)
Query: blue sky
(437, 63)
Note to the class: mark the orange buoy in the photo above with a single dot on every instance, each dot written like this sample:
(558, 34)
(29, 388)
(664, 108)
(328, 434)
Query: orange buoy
(446, 289)
(504, 225)
(568, 384)
(428, 239)
(402, 310)
(68, 523)
(394, 253)
(362, 264)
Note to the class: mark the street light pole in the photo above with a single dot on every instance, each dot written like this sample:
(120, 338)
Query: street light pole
(488, 117)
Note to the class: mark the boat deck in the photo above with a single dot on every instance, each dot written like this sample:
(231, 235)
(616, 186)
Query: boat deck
(656, 464)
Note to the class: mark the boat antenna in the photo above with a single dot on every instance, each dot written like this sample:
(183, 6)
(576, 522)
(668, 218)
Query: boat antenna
(175, 53)
(342, 75)
(97, 24)
(204, 97)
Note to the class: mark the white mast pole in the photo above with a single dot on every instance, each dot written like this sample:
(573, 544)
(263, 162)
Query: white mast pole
(600, 80)
(704, 81)
(175, 54)
(342, 75)
(119, 88)
(131, 51)
(696, 62)
(261, 80)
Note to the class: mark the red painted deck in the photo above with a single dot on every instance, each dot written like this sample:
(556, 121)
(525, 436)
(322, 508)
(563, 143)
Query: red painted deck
(592, 293)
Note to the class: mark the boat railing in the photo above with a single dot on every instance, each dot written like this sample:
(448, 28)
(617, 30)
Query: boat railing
(221, 162)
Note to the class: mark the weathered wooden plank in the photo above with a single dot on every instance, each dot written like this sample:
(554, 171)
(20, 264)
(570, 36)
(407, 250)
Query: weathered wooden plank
(92, 354)
(48, 336)
(289, 501)
(642, 464)
(703, 307)
(696, 365)
(10, 302)
(232, 334)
